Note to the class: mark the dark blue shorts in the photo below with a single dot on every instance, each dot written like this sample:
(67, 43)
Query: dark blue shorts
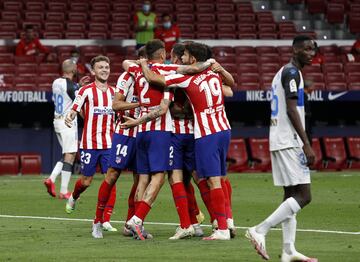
(89, 159)
(210, 154)
(123, 150)
(182, 152)
(152, 151)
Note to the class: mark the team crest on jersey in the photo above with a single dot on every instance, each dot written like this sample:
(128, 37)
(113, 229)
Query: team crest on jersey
(293, 86)
(118, 160)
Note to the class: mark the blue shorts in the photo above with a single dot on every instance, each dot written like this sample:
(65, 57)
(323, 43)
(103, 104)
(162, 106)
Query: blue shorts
(122, 155)
(182, 152)
(210, 154)
(89, 159)
(152, 151)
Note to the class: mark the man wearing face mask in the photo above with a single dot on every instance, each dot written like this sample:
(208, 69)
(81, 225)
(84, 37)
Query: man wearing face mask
(169, 33)
(145, 24)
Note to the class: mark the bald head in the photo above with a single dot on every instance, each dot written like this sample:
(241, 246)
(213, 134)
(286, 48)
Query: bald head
(68, 66)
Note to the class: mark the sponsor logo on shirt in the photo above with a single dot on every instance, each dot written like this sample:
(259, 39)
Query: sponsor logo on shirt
(98, 110)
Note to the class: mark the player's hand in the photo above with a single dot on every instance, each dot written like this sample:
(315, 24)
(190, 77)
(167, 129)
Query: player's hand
(309, 153)
(69, 119)
(84, 80)
(211, 61)
(130, 122)
(142, 61)
(217, 68)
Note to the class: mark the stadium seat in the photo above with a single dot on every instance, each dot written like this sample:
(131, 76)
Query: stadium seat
(335, 154)
(352, 68)
(164, 8)
(237, 156)
(100, 6)
(246, 18)
(247, 86)
(99, 17)
(316, 6)
(311, 69)
(30, 164)
(318, 86)
(287, 35)
(98, 27)
(318, 163)
(54, 26)
(25, 59)
(205, 8)
(335, 77)
(26, 69)
(53, 35)
(7, 69)
(122, 8)
(44, 83)
(13, 6)
(75, 27)
(9, 164)
(225, 7)
(206, 35)
(332, 68)
(7, 16)
(248, 78)
(119, 35)
(329, 49)
(269, 68)
(248, 58)
(205, 28)
(35, 6)
(205, 18)
(9, 26)
(77, 17)
(266, 27)
(241, 50)
(244, 7)
(185, 18)
(335, 13)
(246, 28)
(354, 23)
(79, 6)
(353, 146)
(45, 69)
(260, 154)
(268, 59)
(354, 86)
(74, 35)
(226, 18)
(268, 36)
(57, 6)
(184, 7)
(247, 68)
(34, 16)
(121, 18)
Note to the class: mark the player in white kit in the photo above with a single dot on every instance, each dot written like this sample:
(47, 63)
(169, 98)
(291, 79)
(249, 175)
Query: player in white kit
(291, 152)
(63, 89)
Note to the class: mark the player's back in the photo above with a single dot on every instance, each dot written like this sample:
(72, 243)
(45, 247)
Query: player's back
(282, 133)
(63, 90)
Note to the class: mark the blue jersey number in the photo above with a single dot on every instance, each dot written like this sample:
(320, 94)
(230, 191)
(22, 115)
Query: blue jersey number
(59, 101)
(274, 103)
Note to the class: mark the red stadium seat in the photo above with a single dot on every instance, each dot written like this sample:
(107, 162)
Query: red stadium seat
(246, 18)
(99, 17)
(77, 17)
(205, 35)
(237, 155)
(335, 13)
(247, 36)
(247, 68)
(185, 18)
(226, 35)
(205, 28)
(85, 49)
(7, 69)
(285, 50)
(266, 27)
(268, 35)
(286, 27)
(65, 48)
(57, 6)
(13, 6)
(269, 68)
(353, 146)
(34, 16)
(25, 59)
(119, 35)
(247, 86)
(54, 26)
(287, 35)
(354, 23)
(223, 51)
(205, 18)
(100, 6)
(268, 59)
(244, 8)
(44, 83)
(30, 164)
(75, 27)
(332, 68)
(9, 164)
(98, 27)
(335, 77)
(122, 8)
(260, 154)
(329, 49)
(7, 16)
(205, 8)
(184, 7)
(241, 50)
(315, 77)
(226, 18)
(79, 6)
(55, 16)
(9, 26)
(246, 58)
(335, 154)
(248, 78)
(45, 69)
(352, 68)
(35, 6)
(354, 86)
(316, 6)
(121, 18)
(311, 69)
(74, 35)
(318, 163)
(336, 86)
(318, 86)
(165, 8)
(225, 7)
(264, 17)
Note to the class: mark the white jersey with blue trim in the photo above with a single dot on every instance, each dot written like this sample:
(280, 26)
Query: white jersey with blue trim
(288, 83)
(63, 91)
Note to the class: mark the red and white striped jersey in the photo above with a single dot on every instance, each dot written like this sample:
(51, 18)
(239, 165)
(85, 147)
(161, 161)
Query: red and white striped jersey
(151, 96)
(185, 124)
(98, 116)
(125, 86)
(205, 93)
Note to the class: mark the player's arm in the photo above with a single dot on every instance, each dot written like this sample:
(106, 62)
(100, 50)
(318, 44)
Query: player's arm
(119, 103)
(227, 91)
(76, 107)
(291, 81)
(70, 117)
(150, 76)
(225, 75)
(153, 114)
(195, 68)
(127, 63)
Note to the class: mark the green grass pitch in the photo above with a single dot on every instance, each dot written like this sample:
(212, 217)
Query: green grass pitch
(335, 208)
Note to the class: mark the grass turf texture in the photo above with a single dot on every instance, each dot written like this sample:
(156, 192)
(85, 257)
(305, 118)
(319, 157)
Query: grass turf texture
(335, 207)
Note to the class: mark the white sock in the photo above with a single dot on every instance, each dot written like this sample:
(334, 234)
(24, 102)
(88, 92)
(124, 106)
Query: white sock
(65, 179)
(56, 171)
(289, 234)
(286, 209)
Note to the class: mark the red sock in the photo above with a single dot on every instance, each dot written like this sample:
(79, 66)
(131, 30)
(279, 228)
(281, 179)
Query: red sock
(181, 203)
(136, 204)
(131, 202)
(228, 210)
(142, 210)
(218, 205)
(79, 188)
(110, 204)
(103, 197)
(229, 188)
(193, 207)
(205, 195)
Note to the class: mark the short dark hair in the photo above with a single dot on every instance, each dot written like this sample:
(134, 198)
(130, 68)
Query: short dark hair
(197, 50)
(165, 15)
(178, 49)
(29, 27)
(209, 51)
(299, 39)
(142, 52)
(99, 58)
(153, 46)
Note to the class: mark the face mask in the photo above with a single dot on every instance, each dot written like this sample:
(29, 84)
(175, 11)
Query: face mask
(167, 25)
(146, 8)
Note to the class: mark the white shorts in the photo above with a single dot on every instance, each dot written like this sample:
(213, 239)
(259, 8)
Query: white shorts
(289, 167)
(67, 137)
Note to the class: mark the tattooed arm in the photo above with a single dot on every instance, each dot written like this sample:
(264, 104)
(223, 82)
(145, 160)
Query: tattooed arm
(153, 114)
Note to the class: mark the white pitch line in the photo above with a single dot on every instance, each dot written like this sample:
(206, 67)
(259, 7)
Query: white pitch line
(172, 224)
